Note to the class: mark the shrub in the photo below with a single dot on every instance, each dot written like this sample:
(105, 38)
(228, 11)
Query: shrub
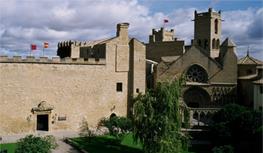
(117, 126)
(85, 130)
(223, 149)
(33, 144)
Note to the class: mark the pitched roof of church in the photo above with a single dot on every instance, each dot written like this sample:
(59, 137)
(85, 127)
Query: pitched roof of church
(249, 60)
(228, 42)
(169, 59)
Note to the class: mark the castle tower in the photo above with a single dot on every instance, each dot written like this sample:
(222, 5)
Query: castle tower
(161, 35)
(207, 31)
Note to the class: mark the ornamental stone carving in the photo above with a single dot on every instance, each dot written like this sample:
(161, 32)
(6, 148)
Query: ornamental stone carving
(43, 106)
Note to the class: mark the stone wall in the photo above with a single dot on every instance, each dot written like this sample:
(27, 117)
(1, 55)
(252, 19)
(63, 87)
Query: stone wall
(78, 91)
(71, 90)
(154, 51)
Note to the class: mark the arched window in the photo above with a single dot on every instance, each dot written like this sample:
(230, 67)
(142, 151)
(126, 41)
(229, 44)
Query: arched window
(205, 44)
(196, 97)
(217, 44)
(216, 26)
(199, 42)
(213, 43)
(113, 115)
(196, 74)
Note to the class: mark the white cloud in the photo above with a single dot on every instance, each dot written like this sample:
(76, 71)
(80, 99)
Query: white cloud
(245, 28)
(26, 22)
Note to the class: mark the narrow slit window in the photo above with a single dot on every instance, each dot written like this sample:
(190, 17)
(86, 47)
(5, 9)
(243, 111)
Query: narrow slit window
(216, 26)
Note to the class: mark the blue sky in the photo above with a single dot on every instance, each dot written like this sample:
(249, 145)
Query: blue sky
(23, 22)
(226, 5)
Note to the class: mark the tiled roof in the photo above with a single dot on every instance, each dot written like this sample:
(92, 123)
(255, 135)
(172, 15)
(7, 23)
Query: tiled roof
(249, 60)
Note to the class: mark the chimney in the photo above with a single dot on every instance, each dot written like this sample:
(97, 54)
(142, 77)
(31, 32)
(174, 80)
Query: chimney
(122, 31)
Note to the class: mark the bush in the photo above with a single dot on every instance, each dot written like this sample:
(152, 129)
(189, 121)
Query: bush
(33, 144)
(117, 126)
(85, 130)
(223, 149)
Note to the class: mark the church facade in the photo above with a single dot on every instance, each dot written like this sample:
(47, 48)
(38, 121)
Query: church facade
(208, 66)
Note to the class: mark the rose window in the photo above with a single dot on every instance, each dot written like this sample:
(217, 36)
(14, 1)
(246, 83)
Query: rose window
(196, 74)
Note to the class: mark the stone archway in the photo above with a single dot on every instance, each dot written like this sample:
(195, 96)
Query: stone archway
(196, 97)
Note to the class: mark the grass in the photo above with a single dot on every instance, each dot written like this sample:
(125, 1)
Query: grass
(107, 144)
(10, 147)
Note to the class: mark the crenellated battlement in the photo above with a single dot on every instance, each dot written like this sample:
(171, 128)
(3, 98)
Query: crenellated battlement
(162, 35)
(53, 60)
(75, 43)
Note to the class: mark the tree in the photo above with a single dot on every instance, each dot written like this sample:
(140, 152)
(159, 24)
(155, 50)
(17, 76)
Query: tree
(238, 126)
(157, 120)
(33, 144)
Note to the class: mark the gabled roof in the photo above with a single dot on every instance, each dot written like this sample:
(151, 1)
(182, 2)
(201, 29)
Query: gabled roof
(107, 40)
(249, 61)
(205, 54)
(228, 42)
(169, 59)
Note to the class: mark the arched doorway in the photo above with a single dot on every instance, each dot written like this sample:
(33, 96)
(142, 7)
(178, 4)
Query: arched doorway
(196, 97)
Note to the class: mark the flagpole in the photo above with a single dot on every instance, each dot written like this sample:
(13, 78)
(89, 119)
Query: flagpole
(43, 51)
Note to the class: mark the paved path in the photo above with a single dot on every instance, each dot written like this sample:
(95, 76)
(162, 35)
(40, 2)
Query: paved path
(64, 148)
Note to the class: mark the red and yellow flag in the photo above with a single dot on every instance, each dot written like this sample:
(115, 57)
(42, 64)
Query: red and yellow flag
(33, 47)
(45, 44)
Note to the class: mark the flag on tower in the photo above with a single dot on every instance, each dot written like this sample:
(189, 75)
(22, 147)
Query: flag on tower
(165, 21)
(33, 47)
(45, 44)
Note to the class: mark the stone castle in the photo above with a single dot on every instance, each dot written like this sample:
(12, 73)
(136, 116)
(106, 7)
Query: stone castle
(96, 79)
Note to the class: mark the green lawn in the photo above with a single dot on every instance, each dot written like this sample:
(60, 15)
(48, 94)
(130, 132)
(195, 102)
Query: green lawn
(10, 147)
(107, 144)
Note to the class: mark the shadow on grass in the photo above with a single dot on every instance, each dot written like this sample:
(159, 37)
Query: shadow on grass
(8, 147)
(104, 144)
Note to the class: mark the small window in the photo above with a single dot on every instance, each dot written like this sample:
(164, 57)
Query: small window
(213, 43)
(199, 42)
(137, 90)
(261, 89)
(216, 26)
(217, 44)
(205, 44)
(249, 71)
(119, 87)
(113, 115)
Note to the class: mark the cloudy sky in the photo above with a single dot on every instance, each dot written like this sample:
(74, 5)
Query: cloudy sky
(23, 22)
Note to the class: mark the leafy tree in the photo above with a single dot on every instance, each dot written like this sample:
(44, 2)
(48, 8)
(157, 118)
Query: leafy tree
(33, 144)
(157, 120)
(239, 127)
